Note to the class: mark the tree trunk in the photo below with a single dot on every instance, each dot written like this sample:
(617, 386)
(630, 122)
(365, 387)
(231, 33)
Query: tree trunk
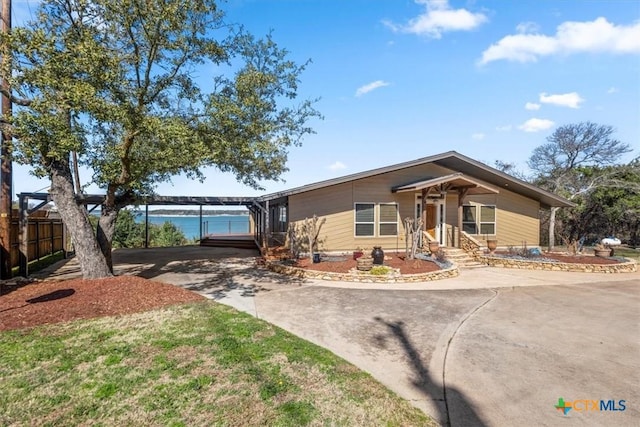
(92, 262)
(552, 228)
(106, 230)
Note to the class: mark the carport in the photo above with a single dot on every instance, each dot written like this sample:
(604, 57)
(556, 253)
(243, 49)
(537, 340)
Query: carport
(92, 201)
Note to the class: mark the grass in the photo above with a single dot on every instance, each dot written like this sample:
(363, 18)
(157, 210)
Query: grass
(200, 364)
(627, 253)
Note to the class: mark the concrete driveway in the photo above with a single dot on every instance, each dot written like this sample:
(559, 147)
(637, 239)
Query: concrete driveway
(492, 347)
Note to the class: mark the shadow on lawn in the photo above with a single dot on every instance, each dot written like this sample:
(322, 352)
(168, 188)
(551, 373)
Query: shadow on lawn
(447, 399)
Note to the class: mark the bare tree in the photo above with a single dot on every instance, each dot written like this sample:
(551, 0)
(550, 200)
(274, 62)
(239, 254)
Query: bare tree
(293, 233)
(311, 229)
(413, 227)
(570, 148)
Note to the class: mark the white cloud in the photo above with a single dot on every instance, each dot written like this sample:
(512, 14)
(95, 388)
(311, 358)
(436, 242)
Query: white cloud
(439, 18)
(536, 125)
(505, 128)
(337, 166)
(571, 100)
(479, 136)
(527, 28)
(371, 86)
(571, 37)
(613, 90)
(532, 106)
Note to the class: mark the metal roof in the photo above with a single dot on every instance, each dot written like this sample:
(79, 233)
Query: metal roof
(451, 160)
(97, 199)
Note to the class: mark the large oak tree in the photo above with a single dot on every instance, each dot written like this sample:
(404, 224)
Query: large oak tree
(574, 163)
(141, 90)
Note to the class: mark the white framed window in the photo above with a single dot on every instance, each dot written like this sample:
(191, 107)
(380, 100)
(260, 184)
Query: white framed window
(487, 219)
(479, 219)
(365, 219)
(388, 219)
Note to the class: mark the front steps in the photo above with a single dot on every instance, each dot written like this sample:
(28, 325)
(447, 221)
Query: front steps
(461, 258)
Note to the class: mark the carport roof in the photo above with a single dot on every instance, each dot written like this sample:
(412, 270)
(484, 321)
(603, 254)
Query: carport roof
(97, 199)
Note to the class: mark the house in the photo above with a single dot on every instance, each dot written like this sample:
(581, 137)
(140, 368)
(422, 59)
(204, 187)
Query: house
(455, 196)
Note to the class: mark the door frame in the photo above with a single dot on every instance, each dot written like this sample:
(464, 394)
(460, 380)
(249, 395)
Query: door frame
(441, 226)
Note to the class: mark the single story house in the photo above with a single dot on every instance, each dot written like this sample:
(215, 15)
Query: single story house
(453, 194)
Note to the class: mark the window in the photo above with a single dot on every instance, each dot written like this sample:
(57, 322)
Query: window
(485, 223)
(469, 220)
(487, 220)
(282, 217)
(388, 223)
(365, 219)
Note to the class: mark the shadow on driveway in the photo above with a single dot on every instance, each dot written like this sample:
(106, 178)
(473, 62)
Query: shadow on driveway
(430, 387)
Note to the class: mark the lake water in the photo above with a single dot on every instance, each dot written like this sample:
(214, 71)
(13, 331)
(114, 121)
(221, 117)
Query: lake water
(211, 224)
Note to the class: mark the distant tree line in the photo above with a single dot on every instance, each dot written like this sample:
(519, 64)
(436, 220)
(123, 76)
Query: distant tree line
(131, 234)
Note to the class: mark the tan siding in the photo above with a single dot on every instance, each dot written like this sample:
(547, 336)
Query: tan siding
(336, 203)
(518, 220)
(517, 216)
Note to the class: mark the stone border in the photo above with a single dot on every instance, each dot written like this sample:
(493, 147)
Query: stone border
(622, 267)
(361, 276)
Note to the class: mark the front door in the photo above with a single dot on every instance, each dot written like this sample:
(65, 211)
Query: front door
(434, 216)
(431, 217)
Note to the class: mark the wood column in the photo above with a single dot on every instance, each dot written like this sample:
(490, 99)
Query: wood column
(462, 192)
(423, 213)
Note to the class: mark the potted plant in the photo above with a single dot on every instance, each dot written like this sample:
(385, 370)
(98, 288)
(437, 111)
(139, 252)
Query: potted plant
(601, 250)
(434, 245)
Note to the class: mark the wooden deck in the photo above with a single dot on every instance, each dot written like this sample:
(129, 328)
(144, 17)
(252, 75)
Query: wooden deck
(241, 241)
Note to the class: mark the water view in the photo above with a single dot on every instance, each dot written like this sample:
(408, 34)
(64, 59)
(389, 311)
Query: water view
(211, 224)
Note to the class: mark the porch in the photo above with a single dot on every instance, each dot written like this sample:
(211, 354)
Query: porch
(440, 221)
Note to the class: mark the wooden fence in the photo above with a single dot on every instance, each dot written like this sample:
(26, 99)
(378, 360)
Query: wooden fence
(46, 237)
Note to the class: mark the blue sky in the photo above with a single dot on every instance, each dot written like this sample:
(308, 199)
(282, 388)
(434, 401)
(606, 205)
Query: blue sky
(403, 79)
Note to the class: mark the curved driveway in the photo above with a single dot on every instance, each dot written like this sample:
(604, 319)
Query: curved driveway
(492, 347)
(503, 356)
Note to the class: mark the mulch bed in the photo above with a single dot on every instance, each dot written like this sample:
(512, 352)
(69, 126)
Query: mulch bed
(392, 260)
(48, 302)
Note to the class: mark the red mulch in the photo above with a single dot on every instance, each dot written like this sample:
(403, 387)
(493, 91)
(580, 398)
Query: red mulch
(47, 302)
(392, 260)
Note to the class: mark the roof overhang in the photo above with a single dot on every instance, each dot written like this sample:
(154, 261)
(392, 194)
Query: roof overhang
(450, 160)
(454, 181)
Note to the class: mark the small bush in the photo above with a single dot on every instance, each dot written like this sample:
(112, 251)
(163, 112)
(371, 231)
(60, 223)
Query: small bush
(379, 270)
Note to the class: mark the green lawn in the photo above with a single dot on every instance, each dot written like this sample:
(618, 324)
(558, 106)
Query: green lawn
(627, 253)
(201, 364)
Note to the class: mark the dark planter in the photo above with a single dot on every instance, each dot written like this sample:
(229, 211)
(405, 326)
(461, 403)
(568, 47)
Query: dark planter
(316, 257)
(378, 255)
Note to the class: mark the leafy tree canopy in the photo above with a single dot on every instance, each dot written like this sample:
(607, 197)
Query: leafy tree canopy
(142, 90)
